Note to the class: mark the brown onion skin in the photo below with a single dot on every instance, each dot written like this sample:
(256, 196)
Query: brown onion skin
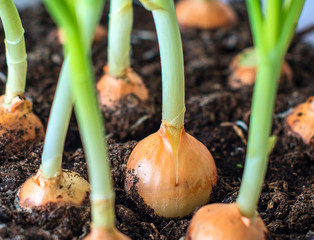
(66, 188)
(151, 170)
(19, 126)
(111, 89)
(221, 221)
(301, 121)
(241, 76)
(106, 234)
(205, 14)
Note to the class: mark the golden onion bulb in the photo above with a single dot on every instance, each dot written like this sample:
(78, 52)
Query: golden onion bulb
(172, 172)
(224, 222)
(301, 121)
(66, 188)
(205, 14)
(19, 126)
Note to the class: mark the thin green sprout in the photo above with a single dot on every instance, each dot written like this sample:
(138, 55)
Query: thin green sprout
(58, 123)
(62, 105)
(120, 27)
(87, 111)
(15, 51)
(170, 45)
(272, 33)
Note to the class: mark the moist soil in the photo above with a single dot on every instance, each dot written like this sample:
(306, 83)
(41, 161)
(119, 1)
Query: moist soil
(215, 114)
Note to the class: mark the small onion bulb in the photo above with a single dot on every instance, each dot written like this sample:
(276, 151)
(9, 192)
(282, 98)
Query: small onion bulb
(224, 222)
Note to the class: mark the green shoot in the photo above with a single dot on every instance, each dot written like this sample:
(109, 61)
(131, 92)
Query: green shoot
(15, 51)
(58, 123)
(86, 108)
(16, 111)
(44, 187)
(119, 80)
(120, 27)
(170, 45)
(272, 33)
(62, 105)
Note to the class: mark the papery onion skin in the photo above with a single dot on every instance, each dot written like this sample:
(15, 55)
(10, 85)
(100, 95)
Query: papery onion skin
(111, 89)
(242, 75)
(151, 170)
(224, 222)
(205, 14)
(19, 126)
(301, 121)
(66, 188)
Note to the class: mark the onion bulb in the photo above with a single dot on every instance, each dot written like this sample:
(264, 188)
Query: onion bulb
(66, 188)
(224, 222)
(243, 69)
(301, 121)
(19, 126)
(205, 14)
(171, 171)
(111, 89)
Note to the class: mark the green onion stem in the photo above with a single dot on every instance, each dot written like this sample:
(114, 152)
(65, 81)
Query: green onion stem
(290, 19)
(170, 45)
(88, 16)
(92, 133)
(62, 105)
(260, 127)
(57, 125)
(270, 55)
(15, 51)
(256, 21)
(272, 21)
(120, 27)
(286, 4)
(88, 115)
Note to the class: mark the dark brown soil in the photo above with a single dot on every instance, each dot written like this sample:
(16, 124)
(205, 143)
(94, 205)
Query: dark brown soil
(216, 115)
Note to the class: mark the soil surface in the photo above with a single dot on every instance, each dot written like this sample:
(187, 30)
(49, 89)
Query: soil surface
(216, 115)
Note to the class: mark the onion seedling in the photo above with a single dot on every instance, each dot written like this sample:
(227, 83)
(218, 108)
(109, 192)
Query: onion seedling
(272, 33)
(301, 121)
(89, 119)
(119, 79)
(243, 70)
(205, 14)
(159, 168)
(19, 125)
(51, 183)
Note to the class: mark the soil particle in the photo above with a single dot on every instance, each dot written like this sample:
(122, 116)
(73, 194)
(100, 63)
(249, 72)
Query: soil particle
(136, 121)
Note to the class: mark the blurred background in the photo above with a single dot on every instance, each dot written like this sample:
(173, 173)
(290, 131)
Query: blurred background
(306, 20)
